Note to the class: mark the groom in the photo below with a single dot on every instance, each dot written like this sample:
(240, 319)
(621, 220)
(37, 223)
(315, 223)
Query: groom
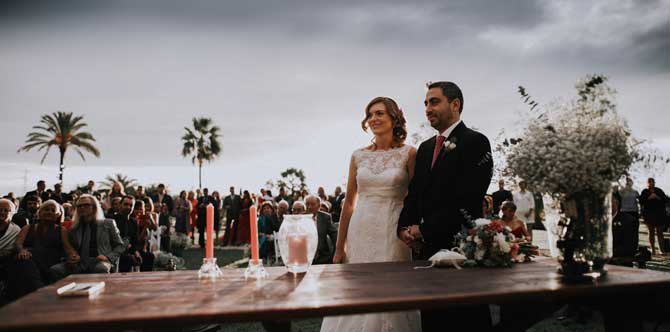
(452, 173)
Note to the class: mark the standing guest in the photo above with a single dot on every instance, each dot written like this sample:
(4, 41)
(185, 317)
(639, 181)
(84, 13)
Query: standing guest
(68, 210)
(114, 192)
(10, 196)
(510, 220)
(295, 197)
(539, 212)
(41, 185)
(128, 230)
(326, 230)
(96, 240)
(283, 196)
(525, 205)
(203, 201)
(242, 231)
(233, 205)
(57, 194)
(322, 194)
(194, 214)
(623, 231)
(90, 188)
(39, 246)
(487, 208)
(336, 203)
(299, 207)
(182, 212)
(629, 205)
(216, 201)
(164, 226)
(140, 193)
(162, 197)
(261, 197)
(500, 196)
(653, 200)
(145, 224)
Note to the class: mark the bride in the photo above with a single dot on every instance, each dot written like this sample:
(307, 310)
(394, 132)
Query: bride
(378, 178)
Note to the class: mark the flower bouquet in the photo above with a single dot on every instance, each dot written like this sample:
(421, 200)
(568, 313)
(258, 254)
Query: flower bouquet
(489, 243)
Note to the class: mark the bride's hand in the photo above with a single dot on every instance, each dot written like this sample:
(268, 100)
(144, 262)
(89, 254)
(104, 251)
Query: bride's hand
(339, 257)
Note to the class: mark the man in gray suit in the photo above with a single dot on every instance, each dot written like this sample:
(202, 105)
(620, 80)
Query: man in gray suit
(96, 241)
(326, 230)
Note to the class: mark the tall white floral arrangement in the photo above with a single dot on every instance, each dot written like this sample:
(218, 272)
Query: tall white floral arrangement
(581, 145)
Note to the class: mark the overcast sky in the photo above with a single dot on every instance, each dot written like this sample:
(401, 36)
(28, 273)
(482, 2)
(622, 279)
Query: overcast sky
(287, 81)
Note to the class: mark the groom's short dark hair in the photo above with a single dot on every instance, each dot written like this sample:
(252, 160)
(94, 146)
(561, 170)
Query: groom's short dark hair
(449, 90)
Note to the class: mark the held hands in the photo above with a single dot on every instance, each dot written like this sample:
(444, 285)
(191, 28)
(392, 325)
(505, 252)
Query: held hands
(102, 258)
(412, 237)
(24, 254)
(339, 257)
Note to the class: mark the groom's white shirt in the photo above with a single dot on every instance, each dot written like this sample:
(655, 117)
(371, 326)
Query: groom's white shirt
(448, 131)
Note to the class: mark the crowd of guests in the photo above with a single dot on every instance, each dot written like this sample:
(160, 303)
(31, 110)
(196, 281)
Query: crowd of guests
(522, 212)
(50, 234)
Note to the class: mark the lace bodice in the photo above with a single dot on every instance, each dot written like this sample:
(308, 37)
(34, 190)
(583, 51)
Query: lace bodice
(382, 173)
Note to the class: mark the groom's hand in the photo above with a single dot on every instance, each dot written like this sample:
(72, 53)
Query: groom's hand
(406, 236)
(415, 232)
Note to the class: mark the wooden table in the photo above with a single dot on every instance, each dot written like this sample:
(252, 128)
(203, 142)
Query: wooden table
(159, 299)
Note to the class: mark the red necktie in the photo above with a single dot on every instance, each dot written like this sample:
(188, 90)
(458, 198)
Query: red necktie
(439, 140)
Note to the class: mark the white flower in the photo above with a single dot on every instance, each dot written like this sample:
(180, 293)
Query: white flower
(502, 243)
(482, 222)
(477, 241)
(449, 145)
(479, 254)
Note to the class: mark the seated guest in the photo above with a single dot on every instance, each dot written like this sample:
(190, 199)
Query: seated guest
(39, 247)
(128, 231)
(115, 207)
(282, 209)
(67, 218)
(325, 207)
(8, 233)
(510, 220)
(299, 207)
(325, 228)
(96, 240)
(145, 224)
(267, 225)
(27, 216)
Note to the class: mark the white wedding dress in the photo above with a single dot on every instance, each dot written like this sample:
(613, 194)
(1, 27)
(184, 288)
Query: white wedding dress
(382, 181)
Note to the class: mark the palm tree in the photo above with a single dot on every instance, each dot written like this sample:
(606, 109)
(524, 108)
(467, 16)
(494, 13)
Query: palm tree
(62, 130)
(202, 143)
(125, 181)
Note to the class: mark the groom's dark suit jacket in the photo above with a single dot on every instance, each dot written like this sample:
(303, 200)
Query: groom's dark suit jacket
(439, 199)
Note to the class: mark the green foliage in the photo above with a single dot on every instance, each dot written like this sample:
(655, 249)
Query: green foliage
(201, 143)
(125, 181)
(293, 180)
(61, 130)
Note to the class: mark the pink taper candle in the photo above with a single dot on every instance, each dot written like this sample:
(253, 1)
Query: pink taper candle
(253, 225)
(209, 243)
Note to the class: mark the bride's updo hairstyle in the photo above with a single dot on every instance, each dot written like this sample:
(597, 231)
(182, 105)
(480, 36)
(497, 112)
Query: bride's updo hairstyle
(397, 119)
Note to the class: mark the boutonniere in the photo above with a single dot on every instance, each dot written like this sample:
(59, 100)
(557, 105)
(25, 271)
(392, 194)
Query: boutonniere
(449, 144)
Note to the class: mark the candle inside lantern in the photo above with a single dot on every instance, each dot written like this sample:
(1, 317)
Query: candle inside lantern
(253, 225)
(209, 243)
(297, 249)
